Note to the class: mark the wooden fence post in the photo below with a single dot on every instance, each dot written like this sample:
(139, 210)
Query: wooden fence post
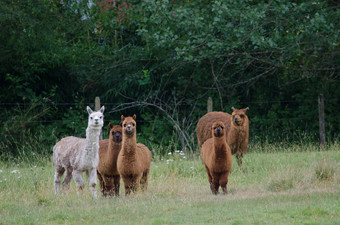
(97, 107)
(210, 104)
(321, 101)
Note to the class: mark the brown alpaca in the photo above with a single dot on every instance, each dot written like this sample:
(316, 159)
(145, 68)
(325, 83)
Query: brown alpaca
(237, 130)
(217, 159)
(238, 135)
(107, 173)
(134, 158)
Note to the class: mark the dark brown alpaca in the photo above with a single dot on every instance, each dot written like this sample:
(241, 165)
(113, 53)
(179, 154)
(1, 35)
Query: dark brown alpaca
(237, 130)
(107, 173)
(217, 159)
(134, 158)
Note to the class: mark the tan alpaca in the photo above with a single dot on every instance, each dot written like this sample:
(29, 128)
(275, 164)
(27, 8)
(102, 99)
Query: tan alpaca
(134, 159)
(237, 130)
(217, 159)
(238, 135)
(107, 173)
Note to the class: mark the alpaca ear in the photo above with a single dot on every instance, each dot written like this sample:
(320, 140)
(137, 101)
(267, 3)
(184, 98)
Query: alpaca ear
(110, 125)
(245, 109)
(89, 110)
(122, 117)
(134, 116)
(233, 108)
(102, 109)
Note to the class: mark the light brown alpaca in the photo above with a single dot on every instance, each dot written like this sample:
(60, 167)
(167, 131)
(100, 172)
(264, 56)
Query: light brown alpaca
(134, 159)
(217, 159)
(238, 135)
(237, 130)
(107, 173)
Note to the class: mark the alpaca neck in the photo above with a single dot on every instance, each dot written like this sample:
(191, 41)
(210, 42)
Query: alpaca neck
(238, 131)
(91, 142)
(113, 145)
(220, 146)
(129, 144)
(113, 149)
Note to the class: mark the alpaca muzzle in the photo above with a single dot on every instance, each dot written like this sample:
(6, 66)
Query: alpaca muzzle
(237, 121)
(117, 137)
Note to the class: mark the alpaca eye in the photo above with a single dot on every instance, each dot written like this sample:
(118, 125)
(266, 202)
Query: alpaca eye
(242, 116)
(91, 118)
(124, 125)
(101, 117)
(133, 124)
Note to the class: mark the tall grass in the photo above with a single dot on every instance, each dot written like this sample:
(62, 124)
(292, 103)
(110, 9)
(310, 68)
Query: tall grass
(290, 187)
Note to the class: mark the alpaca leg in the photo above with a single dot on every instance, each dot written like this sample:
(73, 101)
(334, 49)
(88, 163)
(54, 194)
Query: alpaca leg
(116, 183)
(67, 180)
(136, 183)
(214, 184)
(108, 185)
(209, 175)
(144, 181)
(239, 159)
(78, 179)
(92, 179)
(224, 182)
(101, 183)
(127, 184)
(57, 175)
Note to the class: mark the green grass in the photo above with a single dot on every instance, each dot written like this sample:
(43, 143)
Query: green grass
(290, 187)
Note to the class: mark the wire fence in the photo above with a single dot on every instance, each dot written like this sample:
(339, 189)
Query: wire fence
(71, 105)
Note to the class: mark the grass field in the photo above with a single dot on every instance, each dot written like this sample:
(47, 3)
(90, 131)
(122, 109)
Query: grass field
(290, 187)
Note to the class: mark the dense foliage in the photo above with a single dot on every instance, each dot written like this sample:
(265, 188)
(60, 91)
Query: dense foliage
(162, 60)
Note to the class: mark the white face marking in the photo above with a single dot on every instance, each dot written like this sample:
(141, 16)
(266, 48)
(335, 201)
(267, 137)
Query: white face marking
(96, 119)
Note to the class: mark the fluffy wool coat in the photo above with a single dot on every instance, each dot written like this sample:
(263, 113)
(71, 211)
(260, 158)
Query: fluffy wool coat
(134, 159)
(77, 155)
(217, 158)
(237, 130)
(107, 172)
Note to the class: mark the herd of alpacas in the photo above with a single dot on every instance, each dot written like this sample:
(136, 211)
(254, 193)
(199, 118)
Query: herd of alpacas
(219, 135)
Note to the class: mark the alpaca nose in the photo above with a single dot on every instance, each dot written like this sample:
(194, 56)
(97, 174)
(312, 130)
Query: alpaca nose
(218, 130)
(236, 120)
(117, 137)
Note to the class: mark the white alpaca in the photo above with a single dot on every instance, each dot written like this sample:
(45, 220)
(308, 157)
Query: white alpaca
(77, 155)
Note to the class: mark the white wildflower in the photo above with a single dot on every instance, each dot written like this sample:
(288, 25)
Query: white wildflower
(0, 171)
(169, 160)
(15, 171)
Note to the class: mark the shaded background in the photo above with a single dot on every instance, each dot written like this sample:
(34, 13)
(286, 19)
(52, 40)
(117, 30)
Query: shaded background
(162, 60)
